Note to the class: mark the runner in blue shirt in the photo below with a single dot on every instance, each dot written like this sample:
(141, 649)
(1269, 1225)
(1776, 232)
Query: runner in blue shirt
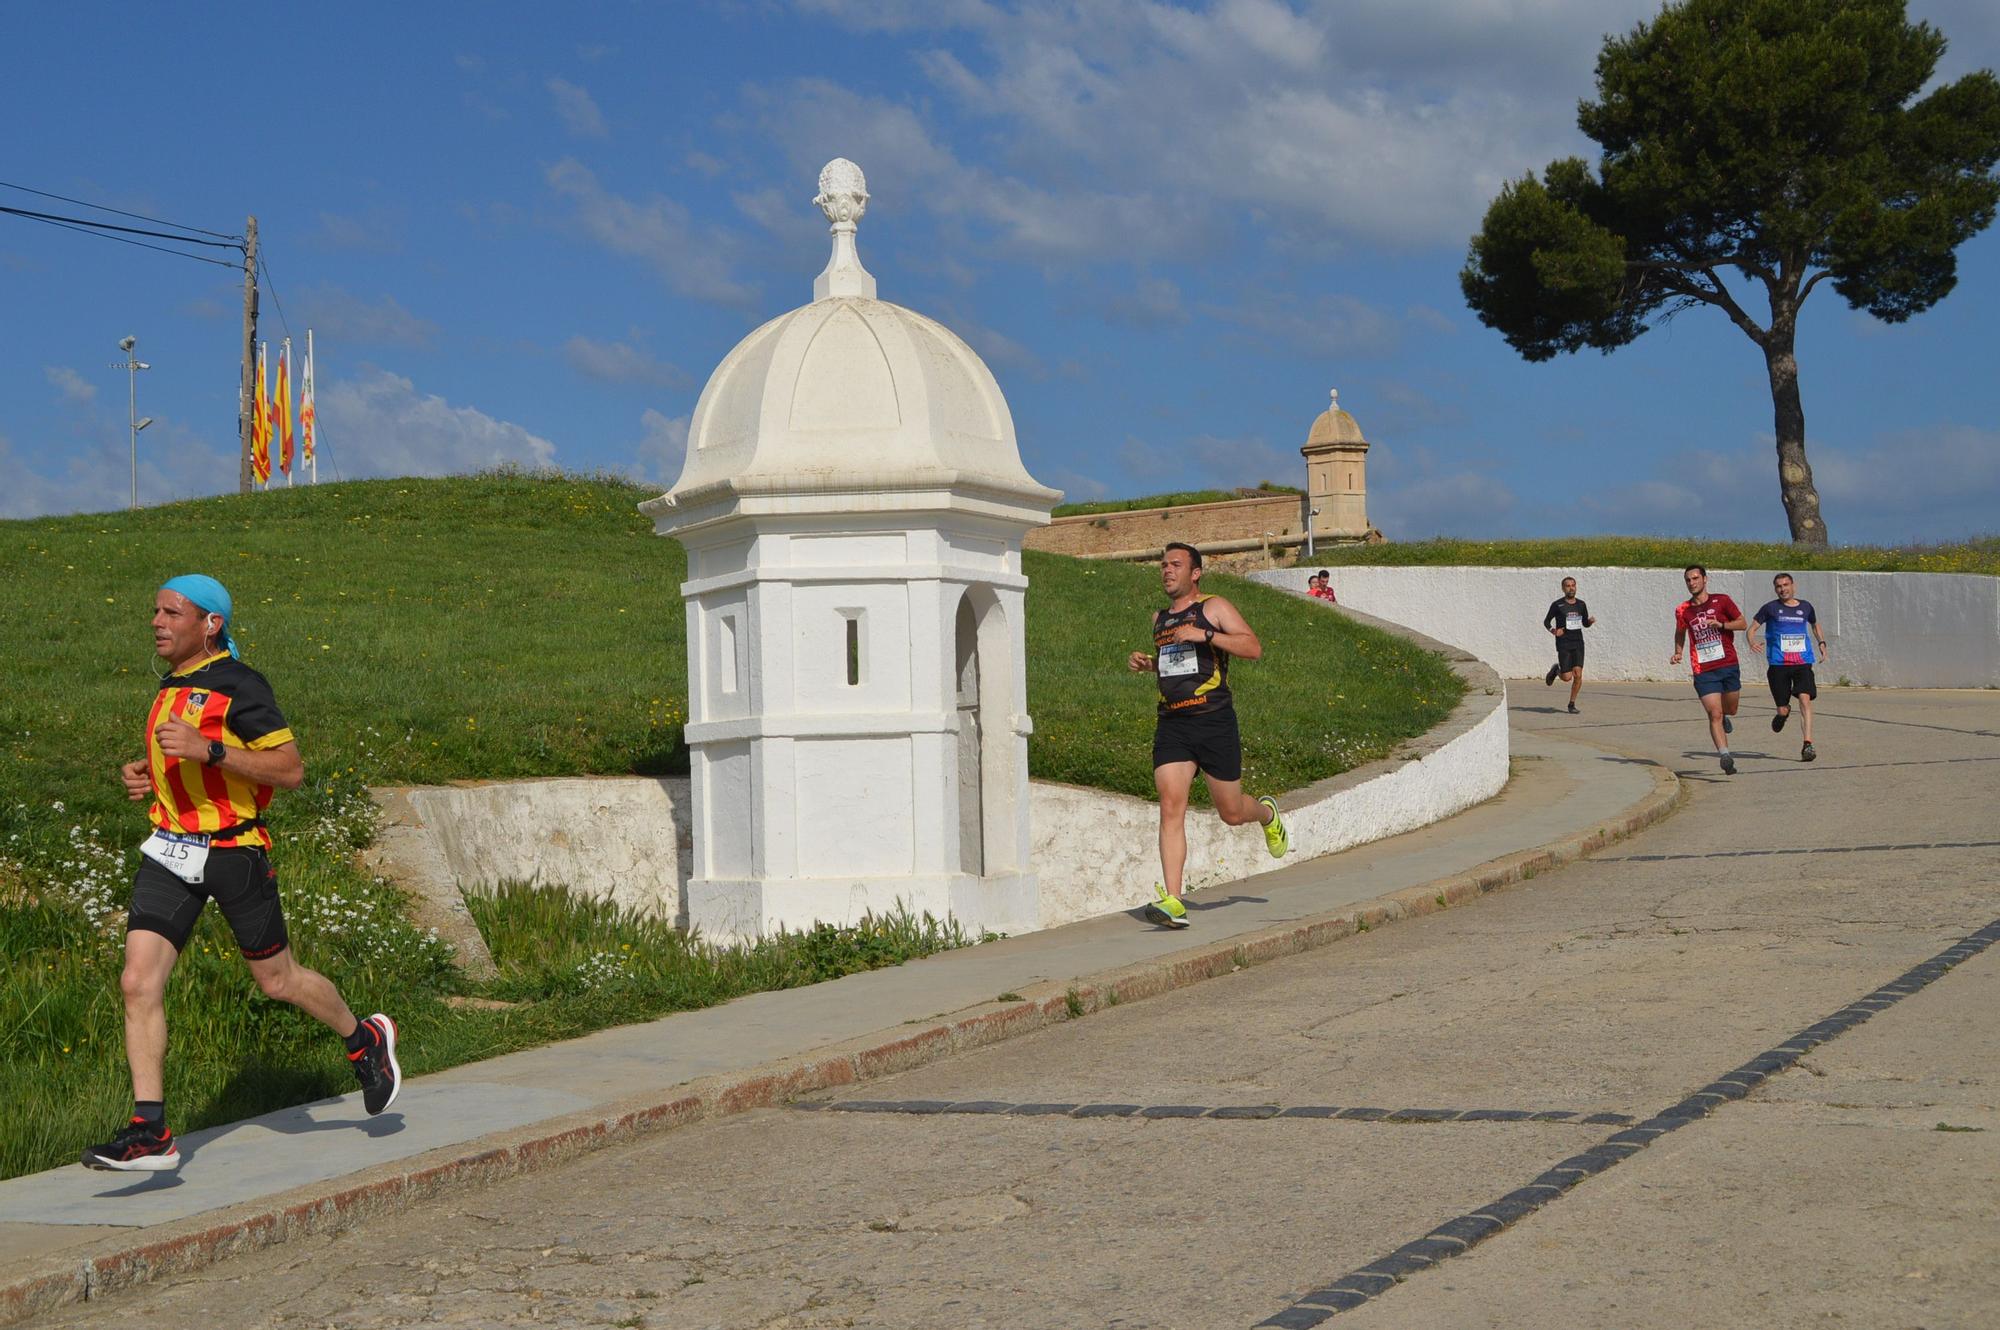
(1793, 644)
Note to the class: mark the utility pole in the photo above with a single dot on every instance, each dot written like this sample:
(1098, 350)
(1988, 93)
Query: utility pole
(246, 403)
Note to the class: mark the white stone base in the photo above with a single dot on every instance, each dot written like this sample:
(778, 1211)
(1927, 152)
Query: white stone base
(728, 910)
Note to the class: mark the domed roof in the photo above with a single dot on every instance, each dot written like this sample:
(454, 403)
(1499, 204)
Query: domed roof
(1334, 426)
(847, 402)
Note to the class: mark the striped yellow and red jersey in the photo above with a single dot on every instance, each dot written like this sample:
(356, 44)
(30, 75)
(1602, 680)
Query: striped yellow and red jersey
(227, 700)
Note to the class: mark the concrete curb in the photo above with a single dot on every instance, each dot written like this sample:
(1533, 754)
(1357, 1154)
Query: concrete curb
(326, 1207)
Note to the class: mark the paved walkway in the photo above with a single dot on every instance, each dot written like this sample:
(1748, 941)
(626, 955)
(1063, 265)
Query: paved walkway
(1241, 1151)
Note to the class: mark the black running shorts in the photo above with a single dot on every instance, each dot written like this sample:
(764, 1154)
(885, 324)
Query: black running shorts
(1209, 741)
(239, 878)
(1790, 681)
(1569, 651)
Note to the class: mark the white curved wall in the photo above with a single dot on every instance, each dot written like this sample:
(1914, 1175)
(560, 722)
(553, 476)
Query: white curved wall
(1094, 853)
(1886, 630)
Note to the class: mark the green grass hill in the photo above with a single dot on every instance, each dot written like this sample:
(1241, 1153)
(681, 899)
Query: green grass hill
(421, 631)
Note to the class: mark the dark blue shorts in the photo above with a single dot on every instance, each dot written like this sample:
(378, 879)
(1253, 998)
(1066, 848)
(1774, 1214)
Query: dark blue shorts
(1719, 681)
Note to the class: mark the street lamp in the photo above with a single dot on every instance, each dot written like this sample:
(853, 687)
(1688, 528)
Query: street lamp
(1311, 513)
(132, 365)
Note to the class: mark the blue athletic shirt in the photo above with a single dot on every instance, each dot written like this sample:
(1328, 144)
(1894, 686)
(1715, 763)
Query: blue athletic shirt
(1788, 635)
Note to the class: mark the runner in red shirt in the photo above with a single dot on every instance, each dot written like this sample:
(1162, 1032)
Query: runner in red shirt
(1712, 622)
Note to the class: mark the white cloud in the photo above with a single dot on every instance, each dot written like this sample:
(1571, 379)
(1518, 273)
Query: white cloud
(662, 450)
(996, 348)
(576, 110)
(1939, 482)
(378, 424)
(340, 315)
(91, 470)
(621, 362)
(379, 231)
(1202, 461)
(1388, 122)
(693, 261)
(1413, 495)
(1326, 327)
(73, 386)
(1154, 302)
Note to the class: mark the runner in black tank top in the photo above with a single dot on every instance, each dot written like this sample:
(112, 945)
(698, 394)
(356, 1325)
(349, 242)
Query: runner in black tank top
(1194, 676)
(1194, 638)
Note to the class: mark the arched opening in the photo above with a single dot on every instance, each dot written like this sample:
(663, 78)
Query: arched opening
(971, 755)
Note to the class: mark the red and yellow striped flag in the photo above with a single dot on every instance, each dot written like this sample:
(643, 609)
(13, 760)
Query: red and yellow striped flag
(282, 404)
(306, 405)
(260, 426)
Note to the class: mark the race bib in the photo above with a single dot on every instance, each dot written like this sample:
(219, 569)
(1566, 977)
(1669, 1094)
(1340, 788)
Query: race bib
(1574, 623)
(1792, 646)
(182, 854)
(1178, 658)
(1707, 652)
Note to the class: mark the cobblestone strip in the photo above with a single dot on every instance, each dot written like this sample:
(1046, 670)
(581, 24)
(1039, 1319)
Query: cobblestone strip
(179, 1248)
(1233, 1112)
(1468, 1230)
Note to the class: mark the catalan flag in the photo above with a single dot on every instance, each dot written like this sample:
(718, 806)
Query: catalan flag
(306, 406)
(282, 404)
(260, 426)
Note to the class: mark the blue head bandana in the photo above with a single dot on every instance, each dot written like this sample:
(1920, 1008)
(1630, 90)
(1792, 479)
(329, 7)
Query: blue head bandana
(207, 594)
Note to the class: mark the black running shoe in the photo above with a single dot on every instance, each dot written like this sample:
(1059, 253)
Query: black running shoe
(1573, 711)
(1728, 726)
(375, 1066)
(1554, 670)
(142, 1147)
(1728, 765)
(1808, 753)
(1778, 721)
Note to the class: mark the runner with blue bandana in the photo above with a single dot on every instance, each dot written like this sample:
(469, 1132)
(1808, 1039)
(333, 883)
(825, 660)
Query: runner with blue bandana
(216, 749)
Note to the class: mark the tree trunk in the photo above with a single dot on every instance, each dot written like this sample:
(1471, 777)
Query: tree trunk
(1795, 480)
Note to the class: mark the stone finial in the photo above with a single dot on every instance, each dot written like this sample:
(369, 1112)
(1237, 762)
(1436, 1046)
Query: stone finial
(1335, 393)
(843, 198)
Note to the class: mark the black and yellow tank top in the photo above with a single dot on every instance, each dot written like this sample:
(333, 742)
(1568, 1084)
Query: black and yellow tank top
(1194, 676)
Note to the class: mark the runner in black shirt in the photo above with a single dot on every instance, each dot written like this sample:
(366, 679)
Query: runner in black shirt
(1194, 638)
(1565, 621)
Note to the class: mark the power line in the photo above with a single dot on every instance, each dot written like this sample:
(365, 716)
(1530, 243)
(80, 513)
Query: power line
(92, 229)
(272, 282)
(85, 203)
(113, 226)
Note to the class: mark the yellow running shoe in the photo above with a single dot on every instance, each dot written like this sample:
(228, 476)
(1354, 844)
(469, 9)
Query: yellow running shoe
(1168, 908)
(1275, 834)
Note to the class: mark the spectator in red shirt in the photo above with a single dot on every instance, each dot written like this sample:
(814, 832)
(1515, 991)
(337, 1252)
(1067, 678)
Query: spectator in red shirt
(1712, 622)
(1320, 586)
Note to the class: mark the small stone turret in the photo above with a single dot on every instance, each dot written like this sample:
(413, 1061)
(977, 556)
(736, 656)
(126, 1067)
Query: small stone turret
(1337, 476)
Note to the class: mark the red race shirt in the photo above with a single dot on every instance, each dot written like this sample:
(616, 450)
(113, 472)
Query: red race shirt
(1710, 645)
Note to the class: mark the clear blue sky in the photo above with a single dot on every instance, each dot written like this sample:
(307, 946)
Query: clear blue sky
(527, 233)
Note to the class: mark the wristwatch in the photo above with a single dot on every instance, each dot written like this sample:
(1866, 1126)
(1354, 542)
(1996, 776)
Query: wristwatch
(216, 749)
(1211, 637)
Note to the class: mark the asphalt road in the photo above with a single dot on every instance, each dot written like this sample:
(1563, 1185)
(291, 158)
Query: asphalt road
(1858, 1184)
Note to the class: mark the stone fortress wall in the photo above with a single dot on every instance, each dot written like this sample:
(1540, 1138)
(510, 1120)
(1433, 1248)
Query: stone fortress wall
(1274, 522)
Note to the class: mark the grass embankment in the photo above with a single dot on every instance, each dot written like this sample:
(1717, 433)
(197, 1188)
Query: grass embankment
(1178, 499)
(1980, 555)
(424, 631)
